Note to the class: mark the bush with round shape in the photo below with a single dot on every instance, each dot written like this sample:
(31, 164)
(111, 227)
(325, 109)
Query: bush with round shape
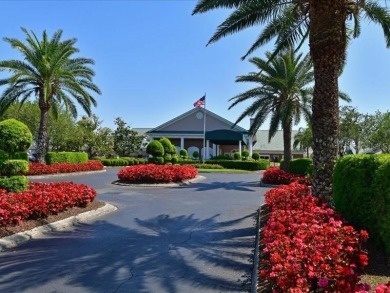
(236, 156)
(15, 136)
(155, 148)
(167, 158)
(195, 155)
(300, 166)
(245, 154)
(169, 148)
(183, 153)
(255, 156)
(14, 167)
(156, 160)
(174, 159)
(14, 183)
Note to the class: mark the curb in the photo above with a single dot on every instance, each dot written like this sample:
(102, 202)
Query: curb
(62, 225)
(255, 274)
(185, 182)
(43, 176)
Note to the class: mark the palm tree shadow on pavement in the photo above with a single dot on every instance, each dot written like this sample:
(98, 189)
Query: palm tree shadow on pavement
(162, 254)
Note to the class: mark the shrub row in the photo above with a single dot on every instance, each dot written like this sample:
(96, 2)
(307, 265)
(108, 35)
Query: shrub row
(41, 200)
(307, 248)
(277, 176)
(123, 161)
(66, 157)
(40, 169)
(14, 167)
(151, 173)
(207, 166)
(14, 183)
(242, 165)
(300, 166)
(361, 192)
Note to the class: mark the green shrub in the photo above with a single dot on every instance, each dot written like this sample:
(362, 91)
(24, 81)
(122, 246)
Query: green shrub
(187, 162)
(255, 156)
(155, 148)
(156, 160)
(140, 161)
(167, 158)
(15, 136)
(174, 159)
(167, 145)
(66, 157)
(361, 193)
(195, 155)
(115, 162)
(222, 157)
(300, 166)
(14, 167)
(20, 156)
(130, 161)
(245, 154)
(242, 165)
(236, 156)
(3, 156)
(183, 153)
(14, 183)
(208, 166)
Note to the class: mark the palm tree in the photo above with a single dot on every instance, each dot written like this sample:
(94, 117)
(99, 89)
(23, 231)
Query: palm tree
(283, 93)
(49, 74)
(303, 139)
(329, 25)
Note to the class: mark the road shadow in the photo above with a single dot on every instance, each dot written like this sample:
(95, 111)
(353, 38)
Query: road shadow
(162, 253)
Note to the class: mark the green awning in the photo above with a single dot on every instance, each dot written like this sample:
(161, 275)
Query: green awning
(225, 137)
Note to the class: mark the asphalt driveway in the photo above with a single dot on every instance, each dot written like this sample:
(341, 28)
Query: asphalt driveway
(196, 238)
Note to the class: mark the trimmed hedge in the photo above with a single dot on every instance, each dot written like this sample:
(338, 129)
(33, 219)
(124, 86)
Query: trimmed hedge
(122, 161)
(66, 157)
(14, 183)
(207, 166)
(14, 167)
(300, 166)
(3, 156)
(242, 165)
(20, 156)
(361, 193)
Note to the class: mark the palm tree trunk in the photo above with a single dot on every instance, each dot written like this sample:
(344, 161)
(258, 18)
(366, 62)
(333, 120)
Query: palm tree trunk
(287, 130)
(327, 48)
(42, 135)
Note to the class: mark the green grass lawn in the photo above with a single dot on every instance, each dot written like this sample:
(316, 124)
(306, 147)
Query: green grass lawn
(232, 171)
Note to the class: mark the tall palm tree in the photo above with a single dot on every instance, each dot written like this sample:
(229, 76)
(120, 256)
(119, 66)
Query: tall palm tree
(50, 74)
(283, 93)
(303, 139)
(328, 25)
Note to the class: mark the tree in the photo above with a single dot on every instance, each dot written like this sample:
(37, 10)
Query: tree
(282, 92)
(49, 73)
(126, 140)
(350, 129)
(303, 139)
(327, 25)
(14, 136)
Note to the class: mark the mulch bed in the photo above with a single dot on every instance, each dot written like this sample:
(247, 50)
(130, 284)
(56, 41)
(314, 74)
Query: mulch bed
(30, 224)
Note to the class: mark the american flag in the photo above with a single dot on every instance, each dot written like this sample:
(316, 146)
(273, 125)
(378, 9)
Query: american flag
(200, 102)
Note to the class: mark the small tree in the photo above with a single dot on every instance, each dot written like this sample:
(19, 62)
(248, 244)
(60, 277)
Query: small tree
(126, 140)
(195, 154)
(236, 156)
(155, 148)
(255, 156)
(245, 154)
(14, 136)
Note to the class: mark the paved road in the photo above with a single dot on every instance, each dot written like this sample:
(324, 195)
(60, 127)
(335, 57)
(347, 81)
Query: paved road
(197, 238)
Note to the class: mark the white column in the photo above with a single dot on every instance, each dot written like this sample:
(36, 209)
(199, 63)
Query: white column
(218, 150)
(250, 146)
(214, 149)
(181, 143)
(239, 147)
(207, 149)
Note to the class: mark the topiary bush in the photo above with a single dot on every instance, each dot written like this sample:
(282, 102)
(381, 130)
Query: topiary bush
(14, 183)
(245, 154)
(14, 167)
(156, 160)
(66, 157)
(15, 136)
(195, 154)
(183, 153)
(169, 148)
(20, 156)
(300, 166)
(255, 156)
(155, 148)
(236, 156)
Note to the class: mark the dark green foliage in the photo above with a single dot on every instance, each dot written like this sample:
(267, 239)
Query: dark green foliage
(300, 166)
(115, 162)
(169, 148)
(167, 158)
(14, 183)
(174, 159)
(14, 167)
(66, 157)
(236, 156)
(361, 189)
(242, 165)
(14, 136)
(3, 156)
(20, 156)
(245, 154)
(195, 155)
(187, 162)
(183, 153)
(208, 166)
(222, 157)
(156, 160)
(155, 148)
(126, 140)
(255, 156)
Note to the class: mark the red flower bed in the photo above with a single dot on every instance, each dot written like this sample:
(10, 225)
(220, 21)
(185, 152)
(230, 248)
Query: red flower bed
(39, 169)
(307, 246)
(275, 175)
(151, 173)
(41, 200)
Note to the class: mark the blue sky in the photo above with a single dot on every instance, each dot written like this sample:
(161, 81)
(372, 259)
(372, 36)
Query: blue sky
(152, 63)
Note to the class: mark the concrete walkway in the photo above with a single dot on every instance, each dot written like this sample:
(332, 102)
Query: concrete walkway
(194, 238)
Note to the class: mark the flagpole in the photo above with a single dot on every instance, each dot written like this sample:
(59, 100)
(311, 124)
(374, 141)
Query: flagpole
(204, 129)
